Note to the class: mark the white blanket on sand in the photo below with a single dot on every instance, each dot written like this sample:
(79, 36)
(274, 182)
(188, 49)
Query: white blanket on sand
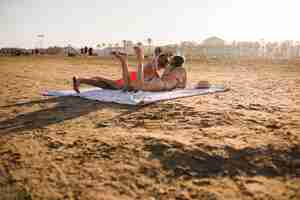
(133, 98)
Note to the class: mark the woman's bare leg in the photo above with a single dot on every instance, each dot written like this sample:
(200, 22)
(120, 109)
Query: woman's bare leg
(140, 57)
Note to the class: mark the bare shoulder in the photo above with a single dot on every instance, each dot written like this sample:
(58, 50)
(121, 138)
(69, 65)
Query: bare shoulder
(181, 76)
(179, 71)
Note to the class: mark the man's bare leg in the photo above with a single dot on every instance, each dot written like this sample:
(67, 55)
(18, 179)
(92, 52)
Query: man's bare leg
(106, 83)
(123, 58)
(94, 81)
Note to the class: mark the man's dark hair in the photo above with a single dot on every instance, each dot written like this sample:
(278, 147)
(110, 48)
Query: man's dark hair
(177, 61)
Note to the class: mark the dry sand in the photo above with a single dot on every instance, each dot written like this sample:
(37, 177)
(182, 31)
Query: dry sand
(242, 144)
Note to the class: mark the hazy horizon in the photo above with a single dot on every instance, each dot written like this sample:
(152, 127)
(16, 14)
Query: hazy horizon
(91, 22)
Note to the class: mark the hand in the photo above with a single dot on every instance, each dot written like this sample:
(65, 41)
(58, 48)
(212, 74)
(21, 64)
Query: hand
(125, 89)
(203, 85)
(128, 89)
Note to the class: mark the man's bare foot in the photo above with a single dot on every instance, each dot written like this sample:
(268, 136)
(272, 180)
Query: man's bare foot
(76, 84)
(120, 55)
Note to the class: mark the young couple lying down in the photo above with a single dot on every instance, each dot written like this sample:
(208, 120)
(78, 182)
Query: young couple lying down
(147, 77)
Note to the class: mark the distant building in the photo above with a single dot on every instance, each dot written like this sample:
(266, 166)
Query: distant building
(222, 52)
(55, 50)
(249, 49)
(106, 51)
(14, 51)
(70, 51)
(128, 49)
(215, 47)
(213, 42)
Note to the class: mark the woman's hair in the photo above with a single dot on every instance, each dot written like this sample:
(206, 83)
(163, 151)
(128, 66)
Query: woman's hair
(163, 60)
(157, 51)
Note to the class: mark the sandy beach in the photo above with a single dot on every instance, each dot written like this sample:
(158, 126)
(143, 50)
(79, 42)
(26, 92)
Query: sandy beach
(241, 144)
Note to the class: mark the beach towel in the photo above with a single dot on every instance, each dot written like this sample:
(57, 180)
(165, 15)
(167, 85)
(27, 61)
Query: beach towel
(134, 98)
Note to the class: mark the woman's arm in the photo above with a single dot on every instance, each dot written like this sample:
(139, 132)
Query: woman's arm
(140, 72)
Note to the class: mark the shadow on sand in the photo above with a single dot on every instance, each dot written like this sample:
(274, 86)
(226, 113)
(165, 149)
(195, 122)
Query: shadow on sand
(65, 108)
(205, 160)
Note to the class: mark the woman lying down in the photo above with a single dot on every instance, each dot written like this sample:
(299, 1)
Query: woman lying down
(146, 78)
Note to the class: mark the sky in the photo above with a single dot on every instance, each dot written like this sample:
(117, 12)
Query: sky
(89, 22)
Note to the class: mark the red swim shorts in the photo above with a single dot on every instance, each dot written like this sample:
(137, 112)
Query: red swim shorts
(133, 77)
